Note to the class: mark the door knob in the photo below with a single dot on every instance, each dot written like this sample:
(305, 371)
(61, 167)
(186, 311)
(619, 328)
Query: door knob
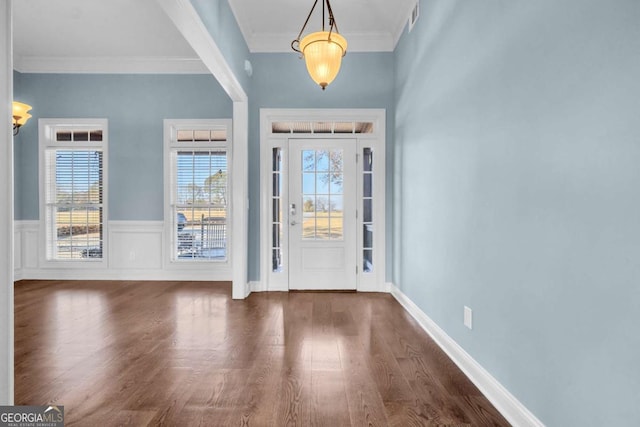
(293, 222)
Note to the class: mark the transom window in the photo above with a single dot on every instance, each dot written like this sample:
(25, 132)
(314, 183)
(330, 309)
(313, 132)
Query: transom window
(321, 127)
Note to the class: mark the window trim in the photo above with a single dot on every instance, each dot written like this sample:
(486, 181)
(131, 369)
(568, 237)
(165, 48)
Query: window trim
(171, 146)
(46, 141)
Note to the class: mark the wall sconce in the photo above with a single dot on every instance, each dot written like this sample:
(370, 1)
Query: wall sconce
(20, 115)
(322, 51)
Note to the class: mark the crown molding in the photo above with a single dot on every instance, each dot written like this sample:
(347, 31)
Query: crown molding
(108, 65)
(357, 42)
(381, 41)
(399, 32)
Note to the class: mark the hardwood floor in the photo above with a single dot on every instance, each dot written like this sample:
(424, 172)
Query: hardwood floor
(185, 354)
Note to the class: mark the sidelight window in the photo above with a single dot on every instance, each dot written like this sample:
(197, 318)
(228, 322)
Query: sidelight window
(367, 210)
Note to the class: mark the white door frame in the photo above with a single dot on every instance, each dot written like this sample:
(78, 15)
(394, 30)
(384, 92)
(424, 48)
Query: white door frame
(373, 281)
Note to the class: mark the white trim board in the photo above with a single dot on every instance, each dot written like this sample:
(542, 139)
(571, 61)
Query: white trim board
(6, 207)
(109, 65)
(189, 24)
(510, 407)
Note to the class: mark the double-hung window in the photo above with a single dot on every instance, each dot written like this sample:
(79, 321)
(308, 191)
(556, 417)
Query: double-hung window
(199, 199)
(73, 188)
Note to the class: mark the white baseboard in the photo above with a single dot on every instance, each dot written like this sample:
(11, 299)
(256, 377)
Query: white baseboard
(111, 274)
(261, 286)
(257, 286)
(514, 411)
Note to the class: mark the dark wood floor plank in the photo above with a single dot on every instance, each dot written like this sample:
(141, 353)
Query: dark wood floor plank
(441, 407)
(386, 373)
(328, 399)
(409, 414)
(261, 394)
(366, 407)
(184, 353)
(293, 402)
(482, 414)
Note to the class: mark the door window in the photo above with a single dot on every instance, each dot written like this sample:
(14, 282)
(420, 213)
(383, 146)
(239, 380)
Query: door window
(322, 194)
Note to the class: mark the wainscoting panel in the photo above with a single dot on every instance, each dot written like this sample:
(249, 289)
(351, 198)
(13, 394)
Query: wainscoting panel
(25, 247)
(135, 251)
(135, 245)
(17, 254)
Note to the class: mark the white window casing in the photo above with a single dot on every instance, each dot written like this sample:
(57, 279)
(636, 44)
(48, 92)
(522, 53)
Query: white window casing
(198, 194)
(73, 192)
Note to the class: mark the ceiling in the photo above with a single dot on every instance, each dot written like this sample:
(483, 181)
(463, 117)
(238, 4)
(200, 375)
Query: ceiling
(106, 36)
(98, 36)
(368, 25)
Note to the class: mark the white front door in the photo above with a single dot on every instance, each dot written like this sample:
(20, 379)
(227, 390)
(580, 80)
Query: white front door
(322, 214)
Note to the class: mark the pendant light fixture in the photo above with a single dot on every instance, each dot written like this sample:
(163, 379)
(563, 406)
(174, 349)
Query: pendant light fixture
(323, 50)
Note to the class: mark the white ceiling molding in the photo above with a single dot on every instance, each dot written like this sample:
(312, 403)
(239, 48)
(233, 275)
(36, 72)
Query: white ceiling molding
(280, 42)
(375, 28)
(94, 36)
(370, 42)
(108, 65)
(398, 33)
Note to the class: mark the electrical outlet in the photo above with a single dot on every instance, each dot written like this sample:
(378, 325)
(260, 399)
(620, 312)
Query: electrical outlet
(132, 255)
(468, 317)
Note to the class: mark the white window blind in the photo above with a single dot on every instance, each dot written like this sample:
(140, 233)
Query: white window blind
(199, 194)
(74, 187)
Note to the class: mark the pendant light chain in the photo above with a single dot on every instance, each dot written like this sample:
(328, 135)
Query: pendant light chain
(297, 40)
(295, 44)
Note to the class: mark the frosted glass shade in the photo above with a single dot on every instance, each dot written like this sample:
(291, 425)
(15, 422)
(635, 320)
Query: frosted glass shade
(323, 52)
(20, 113)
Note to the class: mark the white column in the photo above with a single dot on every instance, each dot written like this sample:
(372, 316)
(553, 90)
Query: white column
(6, 206)
(240, 189)
(188, 22)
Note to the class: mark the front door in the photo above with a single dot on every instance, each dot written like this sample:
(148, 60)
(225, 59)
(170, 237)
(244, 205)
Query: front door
(322, 214)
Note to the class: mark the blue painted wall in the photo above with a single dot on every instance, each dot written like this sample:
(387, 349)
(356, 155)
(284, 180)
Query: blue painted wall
(218, 18)
(282, 81)
(517, 181)
(515, 144)
(135, 106)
